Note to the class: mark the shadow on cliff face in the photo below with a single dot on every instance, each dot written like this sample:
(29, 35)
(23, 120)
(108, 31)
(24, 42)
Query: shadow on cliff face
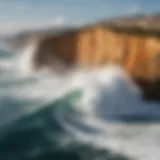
(150, 89)
(56, 51)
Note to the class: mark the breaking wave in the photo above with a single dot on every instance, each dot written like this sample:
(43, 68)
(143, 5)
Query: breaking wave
(83, 114)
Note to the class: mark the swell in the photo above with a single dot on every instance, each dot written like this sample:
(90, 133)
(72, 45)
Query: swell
(39, 136)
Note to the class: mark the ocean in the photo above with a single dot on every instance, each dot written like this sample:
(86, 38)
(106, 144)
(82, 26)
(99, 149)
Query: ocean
(80, 115)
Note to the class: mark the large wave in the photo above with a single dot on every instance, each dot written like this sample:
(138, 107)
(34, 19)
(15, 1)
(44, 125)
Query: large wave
(94, 106)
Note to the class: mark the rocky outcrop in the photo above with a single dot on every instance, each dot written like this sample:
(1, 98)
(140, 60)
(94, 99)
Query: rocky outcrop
(136, 47)
(93, 46)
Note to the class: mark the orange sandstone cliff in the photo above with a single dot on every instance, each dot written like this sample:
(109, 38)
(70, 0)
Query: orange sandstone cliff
(98, 45)
(129, 43)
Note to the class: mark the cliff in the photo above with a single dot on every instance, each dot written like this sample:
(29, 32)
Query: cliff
(133, 43)
(97, 45)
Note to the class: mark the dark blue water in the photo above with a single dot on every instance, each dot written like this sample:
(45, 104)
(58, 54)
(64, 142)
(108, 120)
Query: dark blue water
(39, 137)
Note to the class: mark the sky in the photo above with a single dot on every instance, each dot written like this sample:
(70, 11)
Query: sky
(17, 15)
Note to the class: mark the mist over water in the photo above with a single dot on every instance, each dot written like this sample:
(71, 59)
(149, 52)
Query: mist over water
(106, 120)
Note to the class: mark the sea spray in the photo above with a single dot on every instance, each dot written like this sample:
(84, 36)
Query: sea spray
(26, 60)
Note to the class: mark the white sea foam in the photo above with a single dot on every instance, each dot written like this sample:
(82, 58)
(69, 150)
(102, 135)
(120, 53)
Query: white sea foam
(108, 94)
(26, 61)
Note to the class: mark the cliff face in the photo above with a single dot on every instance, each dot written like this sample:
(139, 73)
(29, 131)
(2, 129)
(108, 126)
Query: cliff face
(98, 45)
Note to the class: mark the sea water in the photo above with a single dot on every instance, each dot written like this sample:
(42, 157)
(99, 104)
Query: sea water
(84, 114)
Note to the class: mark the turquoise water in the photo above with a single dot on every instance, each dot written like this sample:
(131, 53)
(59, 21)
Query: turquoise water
(81, 115)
